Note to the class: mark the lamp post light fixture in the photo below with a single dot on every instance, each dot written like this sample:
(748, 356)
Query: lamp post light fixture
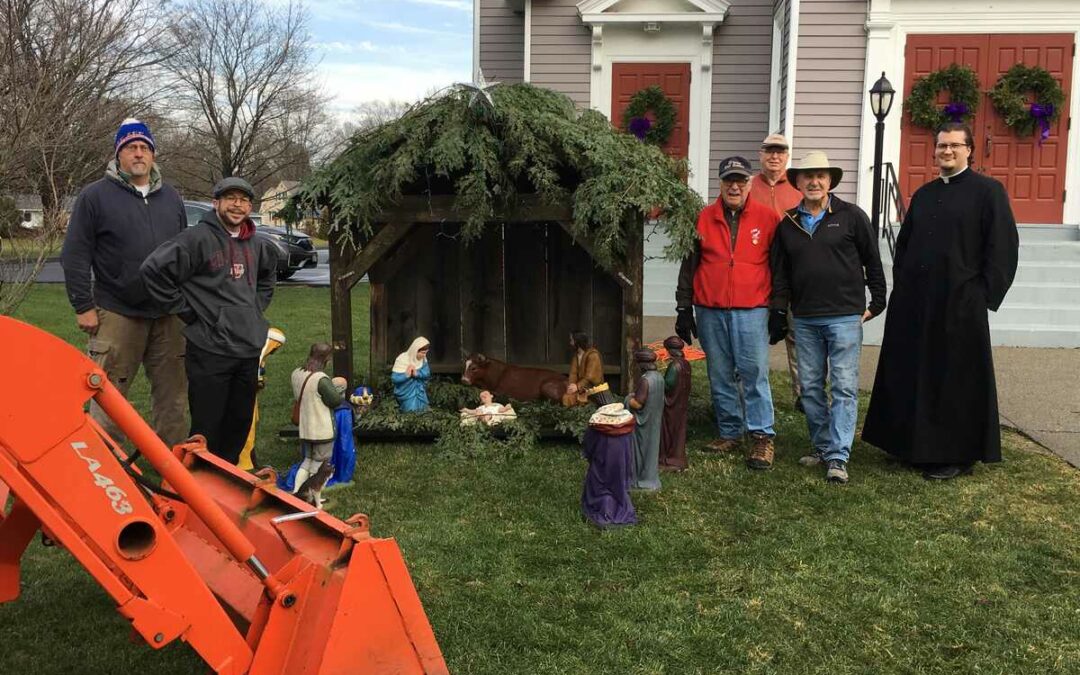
(881, 100)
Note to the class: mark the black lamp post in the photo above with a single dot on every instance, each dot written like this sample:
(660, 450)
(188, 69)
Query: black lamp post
(881, 98)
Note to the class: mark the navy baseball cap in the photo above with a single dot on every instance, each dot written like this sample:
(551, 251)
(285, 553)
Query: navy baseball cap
(735, 166)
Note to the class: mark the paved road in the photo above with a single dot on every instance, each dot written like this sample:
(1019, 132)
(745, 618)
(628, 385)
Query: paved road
(52, 273)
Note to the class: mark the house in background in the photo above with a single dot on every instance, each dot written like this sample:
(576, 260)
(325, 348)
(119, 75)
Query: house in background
(275, 199)
(740, 69)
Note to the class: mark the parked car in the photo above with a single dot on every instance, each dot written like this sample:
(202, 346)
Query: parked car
(295, 250)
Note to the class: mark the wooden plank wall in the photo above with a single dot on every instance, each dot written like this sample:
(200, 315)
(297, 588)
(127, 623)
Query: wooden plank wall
(515, 294)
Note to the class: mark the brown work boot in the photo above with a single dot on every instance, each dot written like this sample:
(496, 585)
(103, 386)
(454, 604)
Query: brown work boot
(761, 452)
(723, 445)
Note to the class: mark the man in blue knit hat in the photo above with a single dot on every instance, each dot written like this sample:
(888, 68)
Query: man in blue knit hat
(115, 223)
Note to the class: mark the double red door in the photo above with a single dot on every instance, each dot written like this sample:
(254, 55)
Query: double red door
(1033, 173)
(628, 79)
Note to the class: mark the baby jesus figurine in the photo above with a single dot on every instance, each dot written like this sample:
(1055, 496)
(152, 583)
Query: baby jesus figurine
(488, 412)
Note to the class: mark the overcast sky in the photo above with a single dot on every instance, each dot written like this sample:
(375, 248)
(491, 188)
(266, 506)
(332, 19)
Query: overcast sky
(390, 49)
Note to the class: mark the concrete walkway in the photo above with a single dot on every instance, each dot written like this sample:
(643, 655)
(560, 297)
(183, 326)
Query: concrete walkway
(1038, 389)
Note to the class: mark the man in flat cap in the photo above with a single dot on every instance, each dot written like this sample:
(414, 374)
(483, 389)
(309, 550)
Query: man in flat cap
(115, 223)
(219, 278)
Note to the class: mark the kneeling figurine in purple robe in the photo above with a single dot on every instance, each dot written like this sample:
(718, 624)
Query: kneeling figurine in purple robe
(609, 448)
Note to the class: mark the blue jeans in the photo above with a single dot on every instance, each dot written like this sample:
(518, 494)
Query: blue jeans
(736, 342)
(830, 349)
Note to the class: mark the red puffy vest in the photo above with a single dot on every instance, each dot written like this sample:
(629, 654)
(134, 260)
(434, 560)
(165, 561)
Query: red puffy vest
(739, 280)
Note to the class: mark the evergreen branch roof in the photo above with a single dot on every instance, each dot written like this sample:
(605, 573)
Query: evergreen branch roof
(486, 146)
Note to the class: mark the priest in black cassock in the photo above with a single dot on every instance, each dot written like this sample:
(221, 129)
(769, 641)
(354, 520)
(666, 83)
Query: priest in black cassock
(934, 403)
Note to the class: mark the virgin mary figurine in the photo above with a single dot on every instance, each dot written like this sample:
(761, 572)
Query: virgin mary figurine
(410, 375)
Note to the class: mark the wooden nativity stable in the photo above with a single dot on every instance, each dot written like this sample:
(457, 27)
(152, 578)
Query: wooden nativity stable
(497, 219)
(514, 294)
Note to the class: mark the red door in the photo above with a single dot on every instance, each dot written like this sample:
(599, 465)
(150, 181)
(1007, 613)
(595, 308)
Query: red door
(628, 79)
(1034, 176)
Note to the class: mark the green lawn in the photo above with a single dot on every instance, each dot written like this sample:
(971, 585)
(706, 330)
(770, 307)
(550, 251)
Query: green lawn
(728, 570)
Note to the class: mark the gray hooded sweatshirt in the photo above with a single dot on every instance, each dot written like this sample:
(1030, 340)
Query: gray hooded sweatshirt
(218, 284)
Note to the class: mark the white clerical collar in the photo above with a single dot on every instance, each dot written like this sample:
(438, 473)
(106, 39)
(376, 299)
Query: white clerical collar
(945, 179)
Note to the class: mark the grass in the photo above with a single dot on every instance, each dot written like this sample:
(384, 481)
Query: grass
(728, 570)
(27, 249)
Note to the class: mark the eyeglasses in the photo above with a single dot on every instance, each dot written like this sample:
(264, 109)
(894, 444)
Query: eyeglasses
(738, 180)
(774, 151)
(236, 199)
(942, 147)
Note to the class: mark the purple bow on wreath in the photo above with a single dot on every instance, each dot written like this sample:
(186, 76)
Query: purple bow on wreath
(956, 111)
(639, 126)
(1042, 114)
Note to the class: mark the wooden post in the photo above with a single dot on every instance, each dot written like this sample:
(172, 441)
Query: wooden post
(342, 256)
(633, 301)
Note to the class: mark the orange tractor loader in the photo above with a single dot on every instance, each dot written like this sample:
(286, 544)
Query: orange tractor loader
(253, 579)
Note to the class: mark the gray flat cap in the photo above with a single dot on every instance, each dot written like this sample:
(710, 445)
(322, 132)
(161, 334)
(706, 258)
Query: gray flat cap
(233, 183)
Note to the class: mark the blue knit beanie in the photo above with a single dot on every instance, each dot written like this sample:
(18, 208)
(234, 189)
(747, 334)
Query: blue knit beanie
(130, 130)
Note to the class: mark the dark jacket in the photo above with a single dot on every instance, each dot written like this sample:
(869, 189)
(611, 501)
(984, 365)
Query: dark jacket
(219, 285)
(826, 274)
(724, 277)
(111, 231)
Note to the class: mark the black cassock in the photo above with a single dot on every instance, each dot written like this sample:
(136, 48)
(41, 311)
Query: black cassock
(934, 398)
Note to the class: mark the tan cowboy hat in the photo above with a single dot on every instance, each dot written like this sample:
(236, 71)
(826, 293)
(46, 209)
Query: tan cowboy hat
(816, 159)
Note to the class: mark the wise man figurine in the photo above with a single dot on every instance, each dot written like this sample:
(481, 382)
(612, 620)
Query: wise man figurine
(676, 404)
(647, 405)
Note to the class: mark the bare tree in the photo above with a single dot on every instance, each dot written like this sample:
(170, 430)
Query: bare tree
(70, 71)
(243, 90)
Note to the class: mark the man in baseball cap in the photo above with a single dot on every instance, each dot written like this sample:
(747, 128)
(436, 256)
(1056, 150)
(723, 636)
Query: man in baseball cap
(722, 297)
(772, 188)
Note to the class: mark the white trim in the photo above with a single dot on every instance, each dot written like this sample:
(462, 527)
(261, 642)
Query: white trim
(626, 44)
(595, 12)
(792, 75)
(476, 41)
(889, 22)
(527, 57)
(774, 72)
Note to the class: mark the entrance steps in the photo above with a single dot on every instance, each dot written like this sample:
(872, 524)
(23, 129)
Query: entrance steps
(1042, 308)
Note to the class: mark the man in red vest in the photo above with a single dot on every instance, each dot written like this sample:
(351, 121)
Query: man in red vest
(771, 188)
(726, 284)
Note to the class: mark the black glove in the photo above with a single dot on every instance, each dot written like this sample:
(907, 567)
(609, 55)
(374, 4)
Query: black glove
(685, 326)
(778, 327)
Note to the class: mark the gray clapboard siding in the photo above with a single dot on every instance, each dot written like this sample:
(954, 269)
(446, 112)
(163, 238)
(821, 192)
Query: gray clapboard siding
(829, 84)
(742, 64)
(502, 41)
(561, 49)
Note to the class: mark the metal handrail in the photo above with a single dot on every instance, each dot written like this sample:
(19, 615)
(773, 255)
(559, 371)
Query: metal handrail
(893, 208)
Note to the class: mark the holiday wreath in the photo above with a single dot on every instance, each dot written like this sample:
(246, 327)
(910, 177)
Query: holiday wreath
(1009, 97)
(963, 87)
(657, 130)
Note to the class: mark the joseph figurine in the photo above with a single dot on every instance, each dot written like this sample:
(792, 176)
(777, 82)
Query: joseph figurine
(586, 370)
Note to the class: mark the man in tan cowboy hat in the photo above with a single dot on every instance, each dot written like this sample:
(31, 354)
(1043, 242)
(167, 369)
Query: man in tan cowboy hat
(771, 188)
(824, 255)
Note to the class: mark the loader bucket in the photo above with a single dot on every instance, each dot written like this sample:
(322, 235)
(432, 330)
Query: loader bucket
(255, 580)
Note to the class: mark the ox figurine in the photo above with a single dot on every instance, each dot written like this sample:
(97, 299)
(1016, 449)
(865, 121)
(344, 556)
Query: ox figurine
(510, 381)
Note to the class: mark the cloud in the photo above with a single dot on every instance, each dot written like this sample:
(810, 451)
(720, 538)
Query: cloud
(354, 83)
(459, 5)
(408, 28)
(361, 47)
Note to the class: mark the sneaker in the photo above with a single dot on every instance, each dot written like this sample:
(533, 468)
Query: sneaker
(761, 453)
(836, 471)
(722, 445)
(813, 459)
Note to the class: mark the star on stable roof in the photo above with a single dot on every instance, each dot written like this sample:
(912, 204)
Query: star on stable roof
(480, 89)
